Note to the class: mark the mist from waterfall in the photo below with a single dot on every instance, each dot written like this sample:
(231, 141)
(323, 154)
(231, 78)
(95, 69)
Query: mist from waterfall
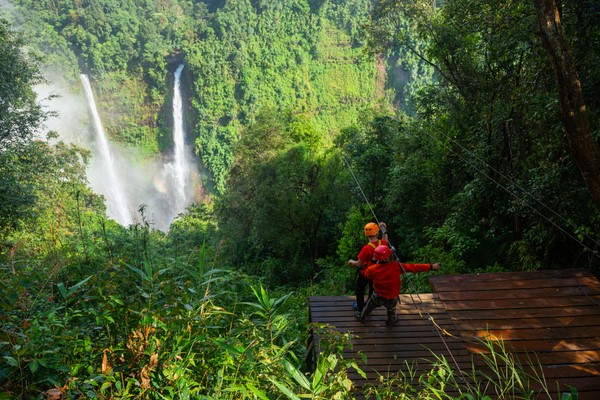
(110, 184)
(163, 186)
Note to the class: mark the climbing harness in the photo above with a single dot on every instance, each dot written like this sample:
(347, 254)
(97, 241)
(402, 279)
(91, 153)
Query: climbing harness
(375, 245)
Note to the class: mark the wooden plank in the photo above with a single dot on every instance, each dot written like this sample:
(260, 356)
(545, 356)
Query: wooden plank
(539, 346)
(550, 334)
(550, 317)
(321, 315)
(411, 341)
(536, 345)
(425, 341)
(316, 300)
(464, 295)
(468, 314)
(514, 284)
(405, 337)
(510, 276)
(530, 323)
(376, 357)
(509, 303)
(417, 342)
(546, 358)
(572, 370)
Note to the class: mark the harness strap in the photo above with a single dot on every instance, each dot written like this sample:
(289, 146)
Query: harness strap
(373, 244)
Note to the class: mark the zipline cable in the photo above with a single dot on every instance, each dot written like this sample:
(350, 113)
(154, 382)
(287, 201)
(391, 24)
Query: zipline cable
(359, 187)
(516, 195)
(438, 329)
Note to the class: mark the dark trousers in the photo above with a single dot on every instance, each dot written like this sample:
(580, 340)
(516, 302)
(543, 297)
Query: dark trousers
(361, 285)
(376, 301)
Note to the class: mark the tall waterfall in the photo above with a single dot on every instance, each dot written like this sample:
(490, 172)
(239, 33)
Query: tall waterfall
(112, 187)
(180, 164)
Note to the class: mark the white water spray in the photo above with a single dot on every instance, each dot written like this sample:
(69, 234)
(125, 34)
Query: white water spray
(180, 165)
(112, 188)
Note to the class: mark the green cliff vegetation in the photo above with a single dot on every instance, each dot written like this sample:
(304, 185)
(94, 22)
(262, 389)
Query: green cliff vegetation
(441, 118)
(242, 56)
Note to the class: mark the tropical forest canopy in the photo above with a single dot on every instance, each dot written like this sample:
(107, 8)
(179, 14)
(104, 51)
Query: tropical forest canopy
(452, 121)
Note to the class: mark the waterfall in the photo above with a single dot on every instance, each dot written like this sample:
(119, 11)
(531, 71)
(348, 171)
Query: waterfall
(112, 187)
(165, 185)
(180, 164)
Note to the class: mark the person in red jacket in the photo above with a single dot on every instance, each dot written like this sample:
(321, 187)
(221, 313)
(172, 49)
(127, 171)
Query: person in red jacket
(364, 258)
(385, 274)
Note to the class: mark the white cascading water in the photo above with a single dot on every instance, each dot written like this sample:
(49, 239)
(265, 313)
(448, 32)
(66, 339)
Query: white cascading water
(180, 165)
(112, 188)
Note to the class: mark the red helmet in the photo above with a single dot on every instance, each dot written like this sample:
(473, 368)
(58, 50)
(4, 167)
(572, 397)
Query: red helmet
(382, 253)
(371, 229)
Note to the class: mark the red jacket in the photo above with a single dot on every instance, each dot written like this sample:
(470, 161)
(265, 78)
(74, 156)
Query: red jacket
(386, 277)
(366, 253)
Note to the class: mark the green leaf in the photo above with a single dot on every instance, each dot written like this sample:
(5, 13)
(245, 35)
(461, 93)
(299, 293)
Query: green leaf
(62, 290)
(138, 271)
(66, 293)
(297, 375)
(33, 366)
(285, 390)
(228, 347)
(43, 362)
(74, 288)
(105, 386)
(11, 361)
(148, 269)
(257, 391)
(117, 300)
(347, 383)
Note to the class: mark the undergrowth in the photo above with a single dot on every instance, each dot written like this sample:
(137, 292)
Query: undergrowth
(140, 324)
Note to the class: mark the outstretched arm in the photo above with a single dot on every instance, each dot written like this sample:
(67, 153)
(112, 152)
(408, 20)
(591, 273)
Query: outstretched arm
(420, 267)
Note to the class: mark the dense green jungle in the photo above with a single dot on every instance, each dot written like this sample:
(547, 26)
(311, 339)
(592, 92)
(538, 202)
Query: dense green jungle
(449, 120)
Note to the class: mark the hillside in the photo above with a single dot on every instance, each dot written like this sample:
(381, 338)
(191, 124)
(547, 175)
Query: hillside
(242, 57)
(254, 141)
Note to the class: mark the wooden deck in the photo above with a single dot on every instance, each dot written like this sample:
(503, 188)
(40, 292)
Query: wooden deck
(551, 317)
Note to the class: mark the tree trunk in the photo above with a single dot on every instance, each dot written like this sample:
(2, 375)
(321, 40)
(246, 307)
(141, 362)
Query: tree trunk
(581, 144)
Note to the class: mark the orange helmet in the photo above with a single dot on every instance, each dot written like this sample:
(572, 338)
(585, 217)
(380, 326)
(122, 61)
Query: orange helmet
(371, 229)
(382, 253)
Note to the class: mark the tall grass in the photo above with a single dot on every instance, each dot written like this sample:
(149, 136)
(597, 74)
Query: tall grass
(140, 324)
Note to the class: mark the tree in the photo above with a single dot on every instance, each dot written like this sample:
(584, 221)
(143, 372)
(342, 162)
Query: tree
(492, 113)
(20, 115)
(284, 201)
(572, 104)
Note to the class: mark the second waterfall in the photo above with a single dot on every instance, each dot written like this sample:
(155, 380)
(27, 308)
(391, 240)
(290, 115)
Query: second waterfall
(180, 165)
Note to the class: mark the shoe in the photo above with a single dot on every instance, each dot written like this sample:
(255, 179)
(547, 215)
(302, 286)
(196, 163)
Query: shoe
(391, 321)
(359, 318)
(355, 306)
